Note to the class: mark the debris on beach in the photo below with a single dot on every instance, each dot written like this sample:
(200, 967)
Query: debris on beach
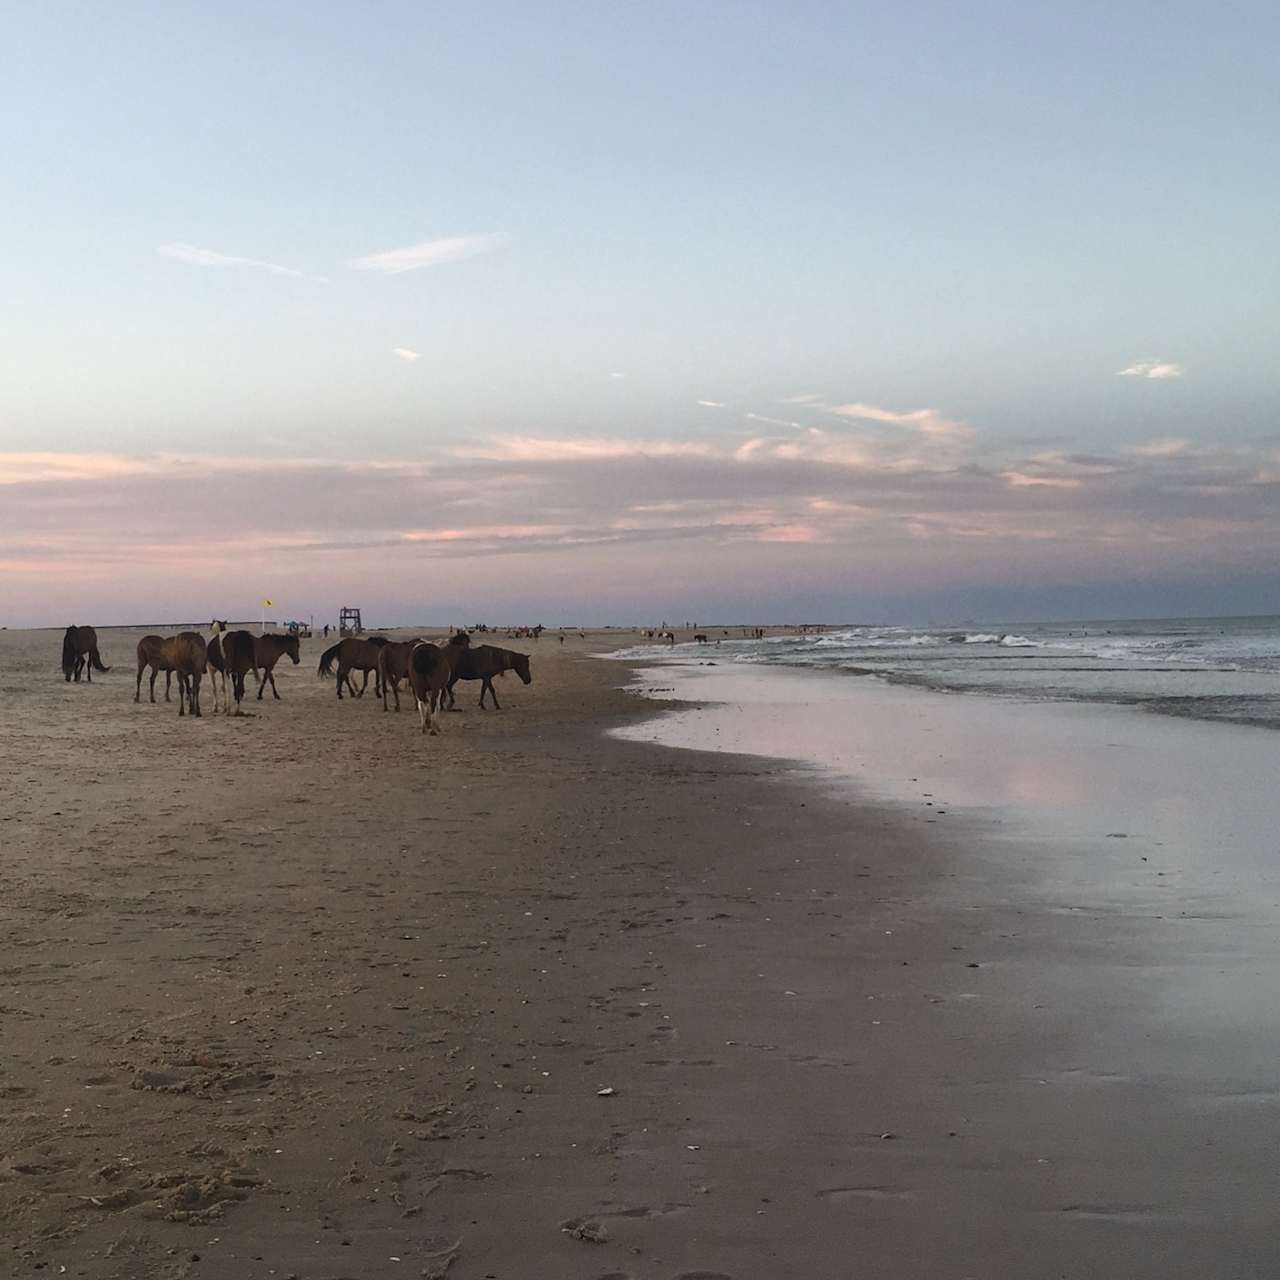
(585, 1229)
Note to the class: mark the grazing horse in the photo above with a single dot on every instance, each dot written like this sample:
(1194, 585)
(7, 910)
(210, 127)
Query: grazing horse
(151, 654)
(80, 653)
(700, 637)
(428, 669)
(485, 661)
(354, 654)
(267, 651)
(187, 655)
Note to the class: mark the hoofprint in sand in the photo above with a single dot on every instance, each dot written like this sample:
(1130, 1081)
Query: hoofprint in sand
(308, 993)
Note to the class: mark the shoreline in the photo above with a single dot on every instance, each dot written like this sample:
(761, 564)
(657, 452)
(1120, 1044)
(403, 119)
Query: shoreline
(332, 1001)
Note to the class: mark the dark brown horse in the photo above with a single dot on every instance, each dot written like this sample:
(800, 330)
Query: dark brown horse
(151, 654)
(238, 657)
(354, 654)
(428, 669)
(187, 655)
(80, 653)
(483, 662)
(267, 651)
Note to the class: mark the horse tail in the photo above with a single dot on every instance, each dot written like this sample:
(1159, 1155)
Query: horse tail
(96, 658)
(69, 649)
(326, 659)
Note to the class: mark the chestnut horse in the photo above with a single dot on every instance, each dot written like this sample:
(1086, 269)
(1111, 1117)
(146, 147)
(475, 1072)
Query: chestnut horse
(186, 655)
(354, 654)
(428, 670)
(267, 651)
(485, 661)
(393, 666)
(151, 654)
(80, 653)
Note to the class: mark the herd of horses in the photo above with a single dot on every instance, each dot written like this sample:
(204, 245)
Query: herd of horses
(430, 670)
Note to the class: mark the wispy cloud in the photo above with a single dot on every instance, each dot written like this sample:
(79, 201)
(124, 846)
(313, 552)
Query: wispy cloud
(711, 404)
(430, 253)
(928, 422)
(619, 377)
(772, 422)
(406, 353)
(198, 257)
(1152, 369)
(809, 397)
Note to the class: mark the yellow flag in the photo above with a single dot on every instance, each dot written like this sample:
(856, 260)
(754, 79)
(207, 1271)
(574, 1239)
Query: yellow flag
(266, 604)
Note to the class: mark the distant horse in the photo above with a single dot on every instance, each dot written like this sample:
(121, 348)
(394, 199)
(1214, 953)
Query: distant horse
(428, 671)
(354, 654)
(700, 637)
(485, 661)
(187, 655)
(151, 654)
(267, 651)
(393, 666)
(80, 653)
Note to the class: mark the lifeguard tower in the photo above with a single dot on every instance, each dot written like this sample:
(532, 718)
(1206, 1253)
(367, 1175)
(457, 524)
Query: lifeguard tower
(349, 623)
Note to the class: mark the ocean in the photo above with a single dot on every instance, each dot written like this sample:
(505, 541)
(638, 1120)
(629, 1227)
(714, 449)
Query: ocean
(1221, 669)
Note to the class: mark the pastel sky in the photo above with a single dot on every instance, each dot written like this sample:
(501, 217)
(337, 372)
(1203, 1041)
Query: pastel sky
(615, 312)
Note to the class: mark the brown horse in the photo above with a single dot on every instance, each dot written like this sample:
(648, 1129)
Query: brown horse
(354, 654)
(393, 666)
(80, 653)
(151, 654)
(483, 662)
(428, 669)
(267, 651)
(186, 655)
(238, 657)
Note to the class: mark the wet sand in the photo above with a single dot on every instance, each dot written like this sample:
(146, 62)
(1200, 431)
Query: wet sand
(309, 994)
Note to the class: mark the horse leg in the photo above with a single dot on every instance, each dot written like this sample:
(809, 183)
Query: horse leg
(137, 693)
(182, 690)
(274, 691)
(343, 674)
(168, 683)
(195, 682)
(266, 671)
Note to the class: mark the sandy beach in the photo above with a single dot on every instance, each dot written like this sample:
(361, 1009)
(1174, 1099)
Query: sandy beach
(308, 994)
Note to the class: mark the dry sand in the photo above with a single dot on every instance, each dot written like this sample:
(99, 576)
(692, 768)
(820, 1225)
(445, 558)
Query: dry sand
(308, 994)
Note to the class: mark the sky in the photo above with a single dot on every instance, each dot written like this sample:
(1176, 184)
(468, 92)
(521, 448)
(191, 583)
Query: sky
(597, 312)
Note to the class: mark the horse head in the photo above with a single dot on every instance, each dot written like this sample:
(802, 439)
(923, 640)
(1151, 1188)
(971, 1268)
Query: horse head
(291, 648)
(520, 665)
